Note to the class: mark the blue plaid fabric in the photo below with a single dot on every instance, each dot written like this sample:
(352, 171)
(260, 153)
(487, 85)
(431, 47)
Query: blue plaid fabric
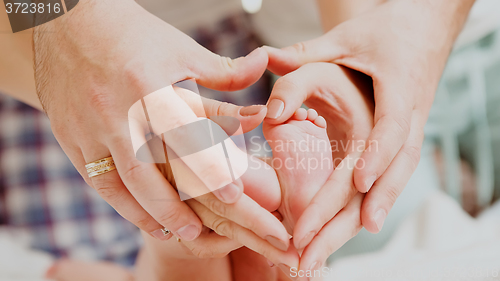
(42, 194)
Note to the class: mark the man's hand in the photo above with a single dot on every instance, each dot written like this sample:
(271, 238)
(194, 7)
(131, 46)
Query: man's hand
(93, 64)
(403, 46)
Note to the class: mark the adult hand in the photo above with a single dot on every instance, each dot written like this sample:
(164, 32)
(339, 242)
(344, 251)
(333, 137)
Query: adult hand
(225, 233)
(344, 98)
(97, 61)
(403, 46)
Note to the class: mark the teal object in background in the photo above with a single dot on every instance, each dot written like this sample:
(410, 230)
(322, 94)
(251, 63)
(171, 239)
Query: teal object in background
(465, 118)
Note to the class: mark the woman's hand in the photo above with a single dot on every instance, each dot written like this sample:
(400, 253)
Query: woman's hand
(93, 64)
(403, 46)
(344, 98)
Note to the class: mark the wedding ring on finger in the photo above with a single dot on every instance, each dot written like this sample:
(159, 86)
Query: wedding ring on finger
(165, 232)
(100, 167)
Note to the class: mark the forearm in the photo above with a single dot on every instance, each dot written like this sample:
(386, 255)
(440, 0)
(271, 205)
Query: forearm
(334, 12)
(449, 15)
(16, 64)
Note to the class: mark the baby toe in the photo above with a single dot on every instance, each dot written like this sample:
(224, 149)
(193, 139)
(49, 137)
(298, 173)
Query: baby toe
(312, 115)
(320, 122)
(300, 114)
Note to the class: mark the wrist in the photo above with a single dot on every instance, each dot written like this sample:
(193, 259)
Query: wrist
(449, 14)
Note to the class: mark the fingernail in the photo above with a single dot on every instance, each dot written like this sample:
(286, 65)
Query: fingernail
(369, 182)
(275, 108)
(188, 232)
(270, 263)
(306, 240)
(277, 243)
(380, 218)
(251, 110)
(228, 193)
(253, 53)
(285, 268)
(158, 234)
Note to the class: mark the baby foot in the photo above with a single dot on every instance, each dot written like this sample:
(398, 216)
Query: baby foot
(302, 158)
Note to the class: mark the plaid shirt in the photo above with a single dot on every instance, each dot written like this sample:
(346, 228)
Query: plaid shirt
(43, 194)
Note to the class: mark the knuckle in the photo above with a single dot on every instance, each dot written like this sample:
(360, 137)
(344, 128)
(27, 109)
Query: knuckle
(145, 223)
(100, 101)
(206, 252)
(227, 63)
(200, 252)
(402, 126)
(217, 206)
(215, 174)
(392, 193)
(300, 47)
(105, 187)
(228, 66)
(170, 217)
(222, 107)
(134, 171)
(286, 82)
(266, 251)
(217, 108)
(223, 227)
(413, 154)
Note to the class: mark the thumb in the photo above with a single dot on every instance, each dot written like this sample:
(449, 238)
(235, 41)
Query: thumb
(322, 49)
(250, 116)
(225, 74)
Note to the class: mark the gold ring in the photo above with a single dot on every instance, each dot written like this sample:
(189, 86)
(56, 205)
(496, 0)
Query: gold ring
(100, 166)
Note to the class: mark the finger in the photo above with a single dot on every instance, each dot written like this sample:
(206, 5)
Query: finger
(249, 214)
(191, 140)
(211, 245)
(225, 74)
(250, 116)
(393, 113)
(380, 199)
(291, 90)
(225, 227)
(335, 194)
(344, 226)
(322, 49)
(153, 192)
(111, 188)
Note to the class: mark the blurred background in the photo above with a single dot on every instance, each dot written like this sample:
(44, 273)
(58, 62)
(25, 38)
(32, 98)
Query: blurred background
(446, 224)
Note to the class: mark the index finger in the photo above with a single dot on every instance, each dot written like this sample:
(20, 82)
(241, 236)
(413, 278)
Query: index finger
(335, 194)
(393, 113)
(190, 139)
(225, 227)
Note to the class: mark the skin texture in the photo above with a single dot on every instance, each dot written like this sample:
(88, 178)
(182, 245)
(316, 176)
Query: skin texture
(403, 46)
(91, 66)
(16, 64)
